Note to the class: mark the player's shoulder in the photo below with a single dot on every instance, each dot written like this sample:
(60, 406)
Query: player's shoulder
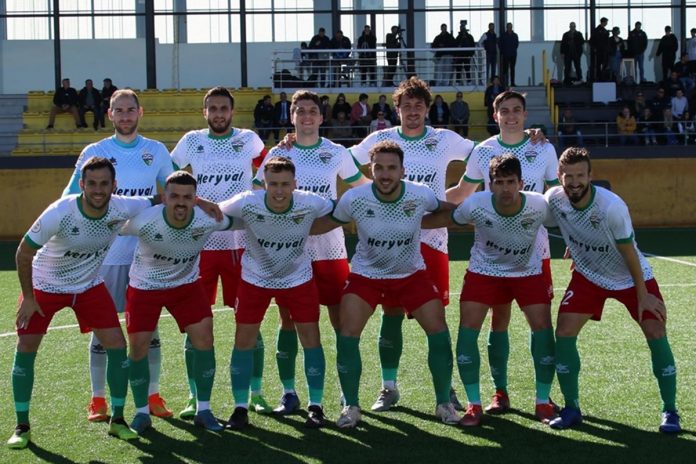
(154, 214)
(158, 147)
(63, 204)
(417, 187)
(535, 199)
(327, 144)
(554, 193)
(607, 199)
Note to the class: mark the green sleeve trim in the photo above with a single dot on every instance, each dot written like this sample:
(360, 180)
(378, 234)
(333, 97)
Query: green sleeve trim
(454, 220)
(231, 222)
(32, 243)
(472, 181)
(354, 178)
(553, 183)
(333, 218)
(355, 160)
(257, 182)
(625, 240)
(175, 166)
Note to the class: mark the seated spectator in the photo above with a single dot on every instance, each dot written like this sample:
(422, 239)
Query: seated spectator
(669, 129)
(626, 127)
(672, 84)
(681, 67)
(106, 92)
(568, 134)
(658, 103)
(459, 115)
(638, 105)
(90, 100)
(325, 108)
(646, 126)
(439, 113)
(281, 116)
(680, 106)
(360, 116)
(380, 123)
(263, 117)
(493, 90)
(65, 100)
(340, 105)
(341, 130)
(492, 126)
(383, 106)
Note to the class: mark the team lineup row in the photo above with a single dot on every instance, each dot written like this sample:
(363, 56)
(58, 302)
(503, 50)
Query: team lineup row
(269, 253)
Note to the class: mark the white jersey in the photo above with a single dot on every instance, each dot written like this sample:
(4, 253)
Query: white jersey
(503, 245)
(275, 257)
(592, 233)
(140, 166)
(425, 160)
(388, 232)
(317, 168)
(222, 167)
(167, 256)
(72, 245)
(539, 166)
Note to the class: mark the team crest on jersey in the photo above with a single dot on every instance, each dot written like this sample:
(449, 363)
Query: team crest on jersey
(36, 228)
(237, 146)
(113, 223)
(409, 207)
(595, 219)
(197, 233)
(325, 156)
(298, 218)
(430, 143)
(158, 237)
(200, 149)
(113, 161)
(75, 231)
(369, 213)
(148, 158)
(530, 155)
(526, 222)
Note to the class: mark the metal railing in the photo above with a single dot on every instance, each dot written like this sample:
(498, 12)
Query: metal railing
(606, 134)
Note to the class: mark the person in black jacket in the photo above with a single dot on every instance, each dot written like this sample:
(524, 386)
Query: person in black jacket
(106, 92)
(65, 100)
(599, 53)
(281, 116)
(667, 47)
(637, 44)
(368, 59)
(439, 113)
(90, 100)
(571, 49)
(489, 41)
(508, 43)
(263, 117)
(462, 62)
(320, 60)
(393, 42)
(617, 48)
(443, 59)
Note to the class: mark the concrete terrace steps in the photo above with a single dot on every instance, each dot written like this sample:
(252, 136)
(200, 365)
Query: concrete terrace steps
(11, 109)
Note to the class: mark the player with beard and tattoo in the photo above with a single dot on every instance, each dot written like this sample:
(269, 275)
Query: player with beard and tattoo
(141, 165)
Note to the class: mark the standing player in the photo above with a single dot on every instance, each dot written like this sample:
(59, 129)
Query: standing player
(318, 162)
(539, 169)
(388, 263)
(277, 222)
(221, 159)
(505, 265)
(165, 273)
(58, 263)
(141, 166)
(597, 229)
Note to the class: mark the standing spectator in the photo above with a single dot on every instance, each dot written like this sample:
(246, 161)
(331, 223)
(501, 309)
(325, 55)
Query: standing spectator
(319, 60)
(281, 116)
(667, 48)
(599, 43)
(368, 59)
(393, 42)
(626, 127)
(299, 56)
(571, 49)
(568, 133)
(380, 123)
(341, 130)
(360, 116)
(326, 114)
(680, 106)
(646, 126)
(682, 68)
(339, 58)
(509, 42)
(492, 91)
(65, 100)
(443, 59)
(439, 114)
(691, 51)
(639, 104)
(90, 100)
(616, 49)
(637, 44)
(340, 105)
(462, 64)
(263, 117)
(382, 106)
(106, 92)
(489, 41)
(459, 115)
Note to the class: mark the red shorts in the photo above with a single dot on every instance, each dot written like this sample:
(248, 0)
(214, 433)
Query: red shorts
(188, 304)
(437, 267)
(93, 308)
(548, 279)
(585, 297)
(494, 291)
(225, 264)
(410, 292)
(252, 302)
(330, 277)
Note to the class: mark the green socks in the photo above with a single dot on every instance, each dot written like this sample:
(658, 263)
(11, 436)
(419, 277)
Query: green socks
(568, 369)
(391, 344)
(241, 366)
(349, 366)
(665, 371)
(315, 371)
(469, 363)
(117, 367)
(204, 373)
(139, 376)
(498, 355)
(440, 364)
(543, 347)
(286, 354)
(257, 370)
(23, 384)
(189, 359)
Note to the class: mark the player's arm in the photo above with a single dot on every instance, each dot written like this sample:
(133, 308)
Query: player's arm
(210, 208)
(23, 259)
(361, 180)
(462, 190)
(536, 136)
(646, 301)
(441, 218)
(324, 224)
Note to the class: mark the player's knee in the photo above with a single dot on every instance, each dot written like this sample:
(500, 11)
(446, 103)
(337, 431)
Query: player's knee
(137, 351)
(653, 329)
(112, 339)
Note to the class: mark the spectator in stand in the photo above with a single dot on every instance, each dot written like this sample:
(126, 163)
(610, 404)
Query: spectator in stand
(360, 116)
(380, 123)
(65, 100)
(658, 103)
(263, 117)
(383, 106)
(341, 130)
(599, 51)
(492, 91)
(341, 58)
(669, 128)
(106, 92)
(682, 68)
(340, 105)
(672, 84)
(638, 105)
(637, 43)
(509, 43)
(90, 100)
(439, 114)
(646, 127)
(326, 115)
(392, 42)
(492, 127)
(299, 56)
(489, 42)
(626, 127)
(571, 49)
(667, 47)
(568, 133)
(680, 106)
(319, 60)
(462, 60)
(443, 59)
(459, 115)
(281, 116)
(691, 51)
(617, 48)
(367, 43)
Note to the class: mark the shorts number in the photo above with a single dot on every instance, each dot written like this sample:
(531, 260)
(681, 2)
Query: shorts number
(566, 298)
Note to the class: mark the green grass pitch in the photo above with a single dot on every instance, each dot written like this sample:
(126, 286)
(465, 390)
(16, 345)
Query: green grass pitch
(619, 396)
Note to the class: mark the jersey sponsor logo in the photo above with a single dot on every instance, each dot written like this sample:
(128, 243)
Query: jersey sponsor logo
(36, 228)
(409, 207)
(279, 245)
(147, 158)
(431, 143)
(587, 247)
(507, 250)
(197, 233)
(216, 179)
(173, 260)
(85, 255)
(134, 192)
(389, 244)
(325, 156)
(113, 223)
(422, 178)
(75, 231)
(530, 155)
(326, 188)
(530, 187)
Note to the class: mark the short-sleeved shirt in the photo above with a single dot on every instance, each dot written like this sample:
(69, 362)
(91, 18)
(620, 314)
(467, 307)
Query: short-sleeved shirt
(317, 168)
(503, 245)
(140, 166)
(388, 232)
(592, 233)
(168, 256)
(275, 256)
(72, 245)
(426, 158)
(222, 167)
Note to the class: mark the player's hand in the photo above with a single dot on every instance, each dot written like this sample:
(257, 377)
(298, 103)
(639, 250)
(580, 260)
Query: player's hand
(566, 255)
(654, 305)
(536, 136)
(288, 141)
(25, 311)
(210, 208)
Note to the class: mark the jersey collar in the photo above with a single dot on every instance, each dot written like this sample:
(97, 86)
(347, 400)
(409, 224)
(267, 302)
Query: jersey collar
(87, 216)
(495, 208)
(132, 144)
(164, 215)
(401, 195)
(593, 191)
(221, 137)
(416, 137)
(514, 145)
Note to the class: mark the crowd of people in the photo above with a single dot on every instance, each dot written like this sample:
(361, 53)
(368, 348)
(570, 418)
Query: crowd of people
(89, 100)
